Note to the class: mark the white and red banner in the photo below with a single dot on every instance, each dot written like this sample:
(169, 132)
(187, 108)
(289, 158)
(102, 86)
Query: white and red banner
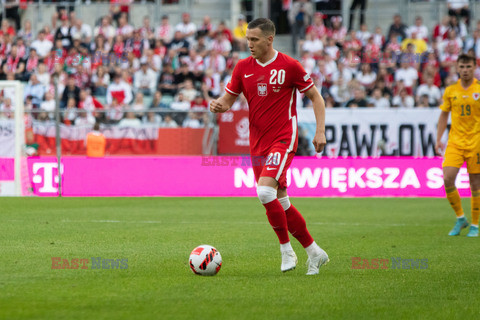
(233, 132)
(233, 176)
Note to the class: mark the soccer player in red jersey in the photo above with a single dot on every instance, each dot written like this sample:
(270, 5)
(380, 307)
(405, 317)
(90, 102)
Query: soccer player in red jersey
(269, 80)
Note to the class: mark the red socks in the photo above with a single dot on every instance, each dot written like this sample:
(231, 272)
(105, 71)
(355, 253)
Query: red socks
(298, 227)
(278, 220)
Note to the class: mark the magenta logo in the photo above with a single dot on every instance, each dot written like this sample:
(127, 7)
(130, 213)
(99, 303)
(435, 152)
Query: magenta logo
(95, 263)
(395, 263)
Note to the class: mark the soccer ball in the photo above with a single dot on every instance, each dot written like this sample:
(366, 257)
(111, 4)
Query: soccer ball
(205, 260)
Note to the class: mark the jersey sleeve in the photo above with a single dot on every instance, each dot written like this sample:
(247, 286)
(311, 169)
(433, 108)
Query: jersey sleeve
(446, 104)
(235, 86)
(301, 80)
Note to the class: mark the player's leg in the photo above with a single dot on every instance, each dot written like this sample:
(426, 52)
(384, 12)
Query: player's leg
(475, 204)
(449, 176)
(267, 193)
(298, 228)
(454, 159)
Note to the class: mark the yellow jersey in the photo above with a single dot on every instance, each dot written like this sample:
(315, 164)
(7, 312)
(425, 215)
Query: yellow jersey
(464, 105)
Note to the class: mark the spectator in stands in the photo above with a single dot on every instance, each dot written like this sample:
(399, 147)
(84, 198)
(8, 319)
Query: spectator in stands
(124, 28)
(179, 45)
(100, 81)
(71, 91)
(157, 101)
(366, 76)
(168, 122)
(105, 29)
(299, 16)
(152, 119)
(362, 4)
(358, 100)
(440, 30)
(64, 33)
(459, 8)
(221, 44)
(26, 33)
(397, 27)
(240, 34)
(422, 102)
(14, 64)
(473, 43)
(166, 83)
(84, 118)
(138, 105)
(48, 104)
(363, 34)
(11, 8)
(120, 90)
(145, 80)
(119, 9)
(403, 100)
(420, 30)
(164, 31)
(206, 28)
(89, 104)
(431, 91)
(339, 92)
(419, 45)
(318, 27)
(42, 74)
(70, 113)
(459, 27)
(187, 28)
(338, 32)
(114, 112)
(408, 75)
(188, 90)
(216, 62)
(82, 31)
(378, 101)
(146, 31)
(130, 120)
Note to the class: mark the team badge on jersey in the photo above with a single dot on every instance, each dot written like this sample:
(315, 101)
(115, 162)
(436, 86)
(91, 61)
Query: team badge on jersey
(262, 89)
(476, 95)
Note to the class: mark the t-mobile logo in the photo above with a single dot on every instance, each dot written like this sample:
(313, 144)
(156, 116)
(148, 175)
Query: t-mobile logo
(46, 173)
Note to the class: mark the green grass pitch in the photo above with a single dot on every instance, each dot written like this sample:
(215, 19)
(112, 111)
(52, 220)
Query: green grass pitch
(156, 235)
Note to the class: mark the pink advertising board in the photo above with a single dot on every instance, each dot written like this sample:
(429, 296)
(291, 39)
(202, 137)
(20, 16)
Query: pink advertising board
(233, 176)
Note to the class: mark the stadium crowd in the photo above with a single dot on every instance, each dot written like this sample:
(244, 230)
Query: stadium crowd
(117, 73)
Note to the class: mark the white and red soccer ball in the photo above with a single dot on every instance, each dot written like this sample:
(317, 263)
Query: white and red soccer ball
(205, 260)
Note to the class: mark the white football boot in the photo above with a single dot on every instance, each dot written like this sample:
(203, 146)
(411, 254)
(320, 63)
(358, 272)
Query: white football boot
(289, 260)
(315, 262)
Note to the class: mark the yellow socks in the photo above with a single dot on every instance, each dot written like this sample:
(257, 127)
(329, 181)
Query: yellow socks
(454, 199)
(475, 207)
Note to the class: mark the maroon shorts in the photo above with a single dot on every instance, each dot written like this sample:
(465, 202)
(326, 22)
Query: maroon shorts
(274, 164)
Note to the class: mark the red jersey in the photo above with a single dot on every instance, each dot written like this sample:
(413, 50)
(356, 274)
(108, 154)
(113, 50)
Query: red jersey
(270, 90)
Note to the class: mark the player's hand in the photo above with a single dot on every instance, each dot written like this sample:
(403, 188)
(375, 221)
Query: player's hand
(439, 147)
(216, 107)
(319, 142)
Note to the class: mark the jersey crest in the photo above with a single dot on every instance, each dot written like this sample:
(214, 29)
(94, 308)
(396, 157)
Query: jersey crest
(475, 96)
(262, 89)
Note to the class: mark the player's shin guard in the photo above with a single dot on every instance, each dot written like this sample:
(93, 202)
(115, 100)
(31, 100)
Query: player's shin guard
(475, 207)
(454, 198)
(275, 214)
(296, 223)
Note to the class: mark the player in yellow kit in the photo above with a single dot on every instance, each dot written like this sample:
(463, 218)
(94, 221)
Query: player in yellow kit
(462, 99)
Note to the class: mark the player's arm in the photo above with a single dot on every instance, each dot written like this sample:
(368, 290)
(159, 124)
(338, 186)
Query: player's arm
(319, 140)
(223, 103)
(441, 126)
